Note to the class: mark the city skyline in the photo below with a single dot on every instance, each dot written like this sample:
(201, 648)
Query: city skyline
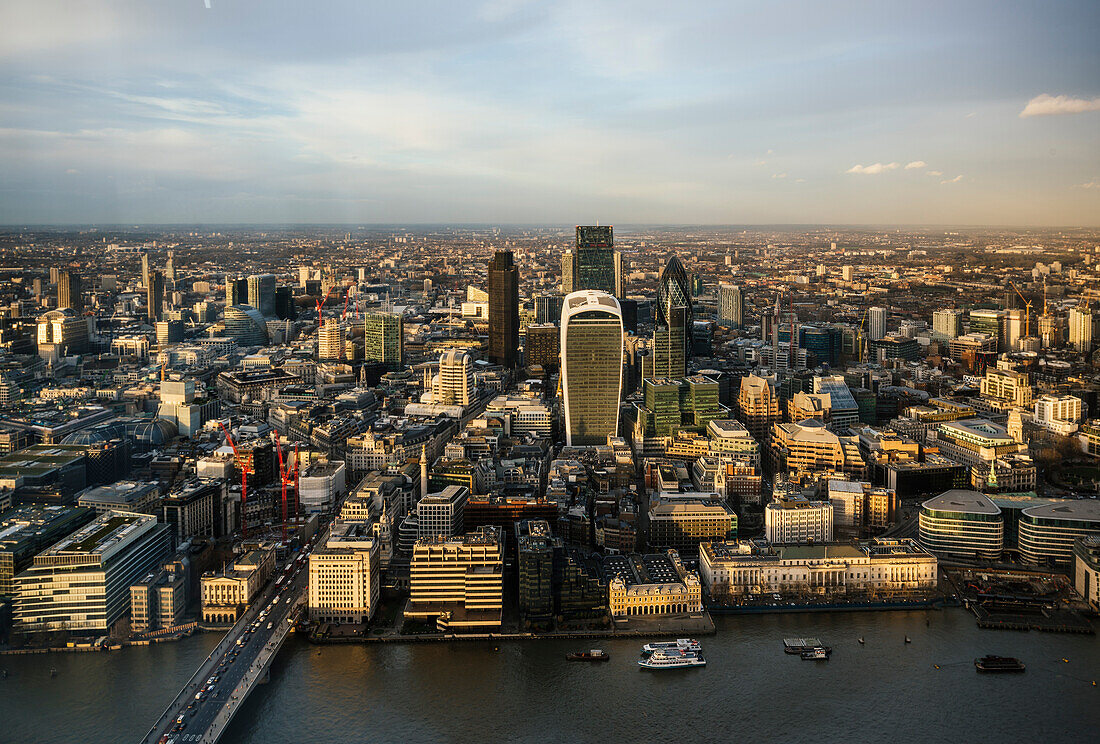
(527, 112)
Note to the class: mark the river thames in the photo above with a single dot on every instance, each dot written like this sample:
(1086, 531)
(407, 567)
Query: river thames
(525, 691)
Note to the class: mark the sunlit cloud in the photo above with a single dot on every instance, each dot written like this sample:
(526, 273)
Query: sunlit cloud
(956, 179)
(1048, 105)
(872, 170)
(916, 164)
(1090, 185)
(935, 173)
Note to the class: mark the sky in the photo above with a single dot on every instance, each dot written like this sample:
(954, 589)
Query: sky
(522, 111)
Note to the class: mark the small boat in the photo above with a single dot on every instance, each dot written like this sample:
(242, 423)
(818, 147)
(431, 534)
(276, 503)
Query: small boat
(680, 644)
(861, 640)
(672, 659)
(798, 645)
(998, 664)
(595, 654)
(816, 654)
(53, 672)
(907, 640)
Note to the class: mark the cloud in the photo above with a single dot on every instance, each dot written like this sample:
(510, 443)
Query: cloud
(935, 173)
(916, 164)
(800, 180)
(779, 175)
(871, 170)
(1047, 105)
(1090, 185)
(956, 179)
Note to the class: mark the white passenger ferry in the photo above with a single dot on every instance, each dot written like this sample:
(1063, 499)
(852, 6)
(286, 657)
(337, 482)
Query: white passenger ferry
(672, 659)
(680, 644)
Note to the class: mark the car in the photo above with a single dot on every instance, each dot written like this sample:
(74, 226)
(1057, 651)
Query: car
(269, 626)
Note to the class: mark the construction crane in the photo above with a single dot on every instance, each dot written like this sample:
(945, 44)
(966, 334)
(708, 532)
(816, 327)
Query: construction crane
(320, 304)
(244, 481)
(862, 325)
(283, 475)
(1027, 308)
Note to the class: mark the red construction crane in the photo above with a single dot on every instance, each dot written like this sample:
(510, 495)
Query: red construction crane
(297, 470)
(282, 479)
(347, 295)
(320, 304)
(244, 481)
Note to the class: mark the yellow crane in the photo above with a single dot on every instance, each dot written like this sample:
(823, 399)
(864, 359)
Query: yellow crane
(1027, 308)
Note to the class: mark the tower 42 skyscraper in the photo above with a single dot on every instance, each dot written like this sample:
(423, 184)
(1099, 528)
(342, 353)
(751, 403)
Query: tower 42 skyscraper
(503, 310)
(591, 366)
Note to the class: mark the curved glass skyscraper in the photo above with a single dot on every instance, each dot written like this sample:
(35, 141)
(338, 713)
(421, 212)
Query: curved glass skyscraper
(591, 366)
(673, 324)
(245, 324)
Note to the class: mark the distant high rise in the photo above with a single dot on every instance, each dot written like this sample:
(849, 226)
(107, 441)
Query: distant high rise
(568, 269)
(730, 305)
(848, 273)
(284, 304)
(70, 292)
(170, 268)
(757, 407)
(303, 275)
(383, 339)
(330, 340)
(673, 324)
(595, 262)
(503, 310)
(876, 323)
(1080, 329)
(261, 293)
(154, 296)
(592, 366)
(991, 322)
(548, 308)
(542, 345)
(236, 290)
(947, 324)
(145, 270)
(455, 384)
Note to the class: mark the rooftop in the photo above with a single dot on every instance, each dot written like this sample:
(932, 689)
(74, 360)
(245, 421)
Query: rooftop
(962, 500)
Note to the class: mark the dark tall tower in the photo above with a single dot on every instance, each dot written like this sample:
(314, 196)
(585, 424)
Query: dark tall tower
(236, 290)
(70, 292)
(596, 263)
(155, 295)
(503, 310)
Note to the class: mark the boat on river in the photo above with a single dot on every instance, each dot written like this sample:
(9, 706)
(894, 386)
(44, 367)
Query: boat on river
(672, 659)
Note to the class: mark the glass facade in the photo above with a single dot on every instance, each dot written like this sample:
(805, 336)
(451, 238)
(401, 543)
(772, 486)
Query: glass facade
(592, 369)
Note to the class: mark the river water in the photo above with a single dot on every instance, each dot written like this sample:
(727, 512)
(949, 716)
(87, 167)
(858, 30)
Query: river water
(526, 691)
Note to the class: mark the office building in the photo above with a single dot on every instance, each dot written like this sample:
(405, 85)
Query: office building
(62, 330)
(553, 581)
(169, 332)
(245, 325)
(1058, 413)
(657, 584)
(82, 584)
(345, 576)
(1086, 570)
(730, 305)
(548, 308)
(592, 369)
(883, 567)
(974, 441)
(330, 340)
(947, 324)
(1007, 387)
(159, 599)
(70, 292)
(384, 340)
(457, 582)
(962, 522)
(192, 509)
(542, 346)
(127, 496)
(808, 446)
(596, 265)
(503, 310)
(236, 291)
(673, 324)
(1047, 532)
(261, 293)
(28, 530)
(796, 519)
(757, 407)
(154, 296)
(683, 523)
(442, 514)
(321, 486)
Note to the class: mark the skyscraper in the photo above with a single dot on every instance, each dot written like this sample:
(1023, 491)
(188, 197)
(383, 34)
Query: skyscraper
(673, 322)
(455, 384)
(383, 339)
(947, 324)
(245, 324)
(155, 295)
(592, 366)
(730, 305)
(145, 269)
(70, 292)
(542, 345)
(596, 263)
(261, 293)
(503, 310)
(170, 268)
(757, 407)
(568, 269)
(236, 291)
(876, 323)
(330, 340)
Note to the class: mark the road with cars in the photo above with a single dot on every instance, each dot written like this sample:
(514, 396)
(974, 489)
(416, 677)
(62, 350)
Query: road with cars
(239, 662)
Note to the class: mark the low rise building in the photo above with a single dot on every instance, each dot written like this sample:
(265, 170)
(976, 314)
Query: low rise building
(82, 583)
(1086, 569)
(123, 495)
(884, 567)
(457, 582)
(796, 519)
(1047, 532)
(651, 585)
(227, 594)
(683, 523)
(345, 576)
(321, 486)
(962, 522)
